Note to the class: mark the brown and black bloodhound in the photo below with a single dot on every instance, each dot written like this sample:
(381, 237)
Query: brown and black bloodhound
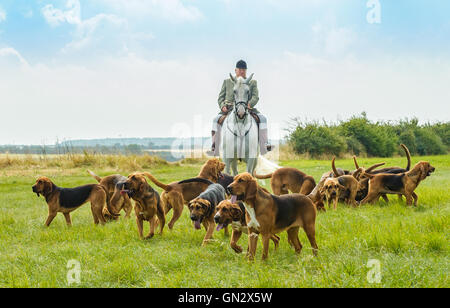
(147, 203)
(203, 208)
(113, 184)
(270, 214)
(234, 213)
(364, 180)
(66, 200)
(284, 180)
(400, 184)
(178, 194)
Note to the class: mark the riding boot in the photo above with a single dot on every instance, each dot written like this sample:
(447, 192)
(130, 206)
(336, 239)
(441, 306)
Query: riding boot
(264, 144)
(213, 144)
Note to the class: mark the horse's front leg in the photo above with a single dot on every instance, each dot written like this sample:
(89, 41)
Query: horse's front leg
(251, 165)
(234, 166)
(228, 163)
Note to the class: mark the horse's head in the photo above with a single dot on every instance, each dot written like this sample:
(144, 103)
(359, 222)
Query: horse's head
(241, 94)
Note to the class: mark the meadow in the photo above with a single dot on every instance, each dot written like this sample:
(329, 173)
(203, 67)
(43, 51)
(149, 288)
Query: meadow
(411, 243)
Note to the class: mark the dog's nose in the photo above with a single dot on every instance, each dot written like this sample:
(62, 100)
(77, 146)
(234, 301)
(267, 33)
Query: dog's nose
(216, 218)
(33, 188)
(193, 217)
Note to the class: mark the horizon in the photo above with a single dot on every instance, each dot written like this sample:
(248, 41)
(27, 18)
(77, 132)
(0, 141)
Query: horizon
(83, 70)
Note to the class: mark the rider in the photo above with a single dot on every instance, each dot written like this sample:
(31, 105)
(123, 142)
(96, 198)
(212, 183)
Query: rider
(226, 103)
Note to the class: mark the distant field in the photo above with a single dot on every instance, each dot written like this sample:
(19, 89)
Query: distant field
(411, 243)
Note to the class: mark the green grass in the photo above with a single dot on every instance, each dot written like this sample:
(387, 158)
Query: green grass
(412, 243)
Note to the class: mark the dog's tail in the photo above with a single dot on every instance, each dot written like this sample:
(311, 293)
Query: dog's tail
(333, 165)
(370, 169)
(408, 156)
(357, 173)
(370, 176)
(99, 179)
(373, 167)
(356, 163)
(262, 177)
(157, 183)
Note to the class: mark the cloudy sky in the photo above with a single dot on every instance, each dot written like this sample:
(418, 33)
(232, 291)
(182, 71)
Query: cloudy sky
(72, 69)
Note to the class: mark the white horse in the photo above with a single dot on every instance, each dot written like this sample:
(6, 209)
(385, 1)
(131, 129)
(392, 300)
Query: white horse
(239, 138)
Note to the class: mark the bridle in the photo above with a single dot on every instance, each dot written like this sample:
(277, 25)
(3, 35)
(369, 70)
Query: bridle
(236, 106)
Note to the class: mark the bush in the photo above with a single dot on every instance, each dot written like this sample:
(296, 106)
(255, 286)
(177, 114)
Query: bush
(429, 143)
(354, 146)
(443, 131)
(378, 139)
(408, 138)
(316, 140)
(359, 136)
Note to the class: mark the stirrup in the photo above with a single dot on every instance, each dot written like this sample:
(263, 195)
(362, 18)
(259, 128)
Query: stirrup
(212, 151)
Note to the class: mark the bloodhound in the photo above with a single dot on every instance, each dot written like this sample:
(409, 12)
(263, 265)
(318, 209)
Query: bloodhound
(66, 200)
(203, 208)
(400, 184)
(177, 194)
(284, 180)
(117, 201)
(270, 214)
(364, 180)
(344, 187)
(148, 204)
(234, 214)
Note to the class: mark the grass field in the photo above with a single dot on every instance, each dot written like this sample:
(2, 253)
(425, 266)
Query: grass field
(411, 243)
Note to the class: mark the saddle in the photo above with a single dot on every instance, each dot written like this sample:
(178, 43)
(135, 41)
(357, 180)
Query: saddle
(224, 116)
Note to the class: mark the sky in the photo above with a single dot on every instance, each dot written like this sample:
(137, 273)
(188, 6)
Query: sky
(85, 69)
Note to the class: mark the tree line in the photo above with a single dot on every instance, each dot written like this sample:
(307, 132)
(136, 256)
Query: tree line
(362, 137)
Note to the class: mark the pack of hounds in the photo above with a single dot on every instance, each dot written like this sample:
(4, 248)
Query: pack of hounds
(216, 200)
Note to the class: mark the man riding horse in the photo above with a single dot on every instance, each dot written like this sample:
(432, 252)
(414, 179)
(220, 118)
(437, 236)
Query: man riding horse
(226, 103)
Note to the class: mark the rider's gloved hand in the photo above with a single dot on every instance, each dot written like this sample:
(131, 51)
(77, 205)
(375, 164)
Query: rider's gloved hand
(224, 109)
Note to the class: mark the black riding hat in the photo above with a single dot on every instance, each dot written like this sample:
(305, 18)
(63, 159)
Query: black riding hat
(241, 64)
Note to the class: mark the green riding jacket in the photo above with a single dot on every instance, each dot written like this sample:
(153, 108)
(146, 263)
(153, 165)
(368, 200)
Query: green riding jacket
(226, 95)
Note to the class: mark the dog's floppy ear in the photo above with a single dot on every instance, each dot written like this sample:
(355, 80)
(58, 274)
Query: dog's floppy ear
(322, 190)
(204, 202)
(189, 205)
(252, 188)
(423, 170)
(142, 183)
(48, 188)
